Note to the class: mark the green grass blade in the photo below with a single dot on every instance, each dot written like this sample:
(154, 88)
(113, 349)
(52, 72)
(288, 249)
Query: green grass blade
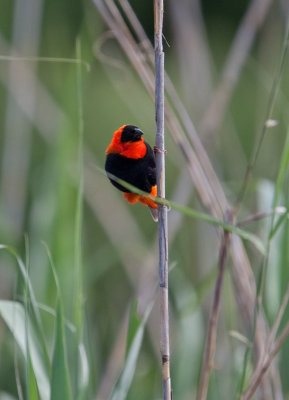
(60, 381)
(32, 299)
(32, 391)
(214, 221)
(133, 325)
(277, 225)
(79, 205)
(26, 279)
(31, 384)
(32, 318)
(47, 60)
(273, 95)
(135, 337)
(279, 186)
(14, 315)
(83, 378)
(83, 366)
(195, 214)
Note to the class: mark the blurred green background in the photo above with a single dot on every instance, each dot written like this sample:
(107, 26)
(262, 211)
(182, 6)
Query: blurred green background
(46, 106)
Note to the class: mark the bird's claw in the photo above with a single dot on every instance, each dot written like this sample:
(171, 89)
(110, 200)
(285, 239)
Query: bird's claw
(157, 150)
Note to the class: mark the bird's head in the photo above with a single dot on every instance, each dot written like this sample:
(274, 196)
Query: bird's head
(128, 142)
(130, 133)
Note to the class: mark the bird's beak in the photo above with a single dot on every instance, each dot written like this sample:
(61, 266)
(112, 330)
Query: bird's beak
(139, 133)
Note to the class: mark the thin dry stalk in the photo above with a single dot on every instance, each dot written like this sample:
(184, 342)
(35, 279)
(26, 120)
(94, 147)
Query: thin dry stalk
(271, 350)
(262, 215)
(210, 345)
(163, 219)
(279, 317)
(115, 362)
(243, 41)
(253, 384)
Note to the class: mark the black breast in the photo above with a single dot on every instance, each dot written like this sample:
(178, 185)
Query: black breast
(138, 172)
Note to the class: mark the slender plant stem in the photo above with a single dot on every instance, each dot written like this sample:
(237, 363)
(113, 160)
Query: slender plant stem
(254, 383)
(210, 345)
(268, 116)
(79, 204)
(163, 220)
(272, 347)
(238, 54)
(264, 214)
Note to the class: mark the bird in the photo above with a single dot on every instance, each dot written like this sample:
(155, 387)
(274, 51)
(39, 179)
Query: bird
(130, 158)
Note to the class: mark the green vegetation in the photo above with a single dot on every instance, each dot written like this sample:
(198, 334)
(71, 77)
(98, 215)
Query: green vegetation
(78, 265)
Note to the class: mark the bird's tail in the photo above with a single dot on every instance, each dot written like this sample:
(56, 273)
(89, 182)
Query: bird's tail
(150, 203)
(154, 213)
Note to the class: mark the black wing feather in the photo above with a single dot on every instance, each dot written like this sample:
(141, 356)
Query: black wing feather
(140, 172)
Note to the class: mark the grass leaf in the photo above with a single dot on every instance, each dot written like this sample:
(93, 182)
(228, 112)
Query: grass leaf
(134, 323)
(135, 337)
(32, 299)
(15, 317)
(195, 214)
(60, 381)
(83, 368)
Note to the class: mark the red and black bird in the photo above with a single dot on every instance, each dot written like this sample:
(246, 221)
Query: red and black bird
(130, 158)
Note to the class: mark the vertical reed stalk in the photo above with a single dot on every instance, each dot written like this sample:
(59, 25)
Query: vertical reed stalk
(163, 221)
(210, 345)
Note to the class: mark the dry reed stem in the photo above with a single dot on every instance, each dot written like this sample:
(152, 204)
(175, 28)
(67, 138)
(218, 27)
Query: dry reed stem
(190, 38)
(271, 350)
(115, 362)
(239, 51)
(279, 317)
(210, 345)
(162, 210)
(267, 361)
(261, 215)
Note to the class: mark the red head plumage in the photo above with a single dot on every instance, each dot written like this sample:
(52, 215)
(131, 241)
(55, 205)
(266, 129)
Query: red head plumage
(128, 142)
